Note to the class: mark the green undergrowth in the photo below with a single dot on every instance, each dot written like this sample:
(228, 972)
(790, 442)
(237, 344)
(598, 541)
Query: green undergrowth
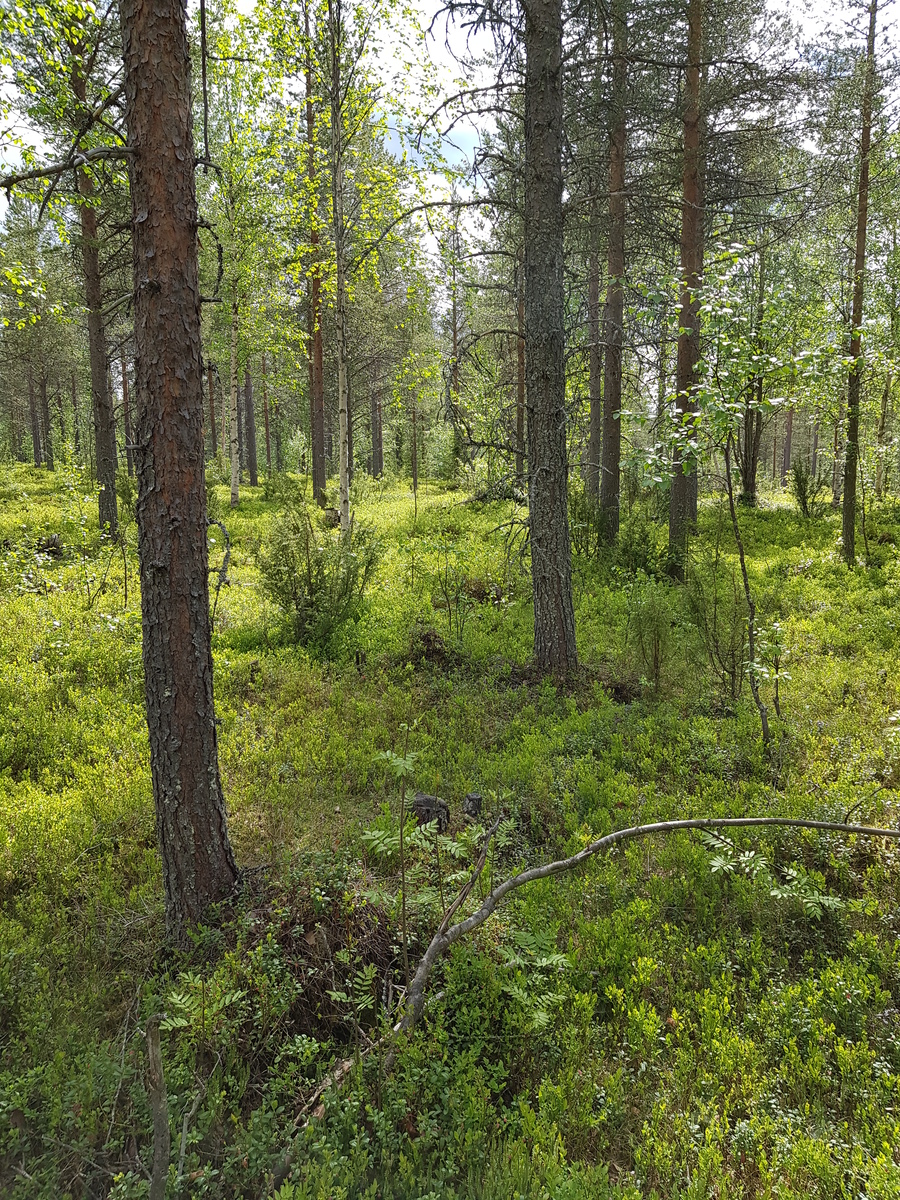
(681, 1018)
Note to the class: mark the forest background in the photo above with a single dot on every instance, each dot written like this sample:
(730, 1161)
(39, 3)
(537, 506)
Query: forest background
(547, 488)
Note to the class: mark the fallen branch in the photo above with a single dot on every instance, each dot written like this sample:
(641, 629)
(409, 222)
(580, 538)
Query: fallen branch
(447, 934)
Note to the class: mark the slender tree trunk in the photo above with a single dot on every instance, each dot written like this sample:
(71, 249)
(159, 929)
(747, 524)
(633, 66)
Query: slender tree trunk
(683, 496)
(76, 424)
(316, 352)
(250, 428)
(788, 446)
(210, 379)
(377, 432)
(198, 864)
(61, 413)
(520, 372)
(101, 397)
(126, 408)
(35, 421)
(265, 399)
(882, 431)
(614, 316)
(336, 36)
(551, 560)
(595, 380)
(814, 455)
(837, 474)
(242, 454)
(233, 428)
(45, 422)
(854, 381)
(415, 453)
(662, 376)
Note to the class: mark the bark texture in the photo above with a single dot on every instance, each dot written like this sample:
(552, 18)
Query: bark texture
(854, 381)
(335, 33)
(197, 860)
(233, 428)
(614, 315)
(545, 374)
(683, 496)
(126, 414)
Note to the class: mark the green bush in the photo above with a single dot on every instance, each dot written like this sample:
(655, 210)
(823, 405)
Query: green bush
(806, 489)
(316, 577)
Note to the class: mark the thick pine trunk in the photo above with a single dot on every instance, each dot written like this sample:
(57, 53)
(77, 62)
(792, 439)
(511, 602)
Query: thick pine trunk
(198, 864)
(854, 381)
(545, 367)
(683, 496)
(614, 315)
(250, 428)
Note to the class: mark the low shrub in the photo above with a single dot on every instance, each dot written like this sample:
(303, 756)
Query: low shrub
(317, 578)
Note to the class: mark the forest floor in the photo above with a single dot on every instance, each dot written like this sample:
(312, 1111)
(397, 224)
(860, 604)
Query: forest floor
(685, 1017)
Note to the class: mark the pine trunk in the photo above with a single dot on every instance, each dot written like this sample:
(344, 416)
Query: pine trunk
(545, 367)
(683, 496)
(126, 410)
(197, 860)
(614, 316)
(250, 428)
(854, 381)
(35, 417)
(595, 382)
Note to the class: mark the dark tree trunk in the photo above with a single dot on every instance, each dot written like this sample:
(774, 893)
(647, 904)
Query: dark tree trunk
(61, 413)
(377, 433)
(198, 864)
(614, 316)
(76, 424)
(545, 368)
(882, 431)
(854, 381)
(683, 496)
(210, 381)
(250, 428)
(279, 453)
(126, 409)
(595, 382)
(415, 453)
(520, 375)
(242, 454)
(46, 429)
(787, 449)
(101, 398)
(35, 422)
(265, 400)
(316, 353)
